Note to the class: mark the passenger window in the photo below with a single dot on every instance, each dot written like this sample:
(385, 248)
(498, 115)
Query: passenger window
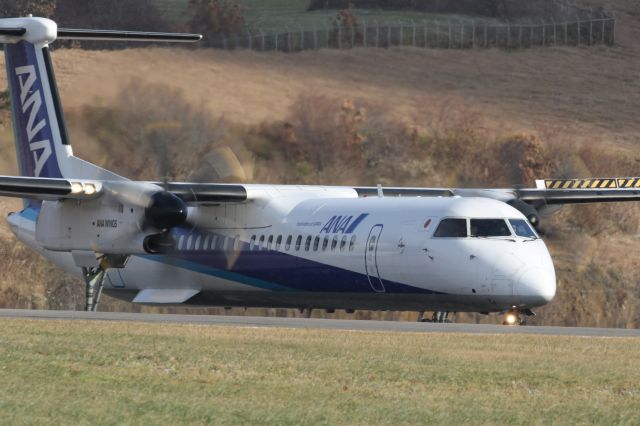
(198, 241)
(451, 228)
(189, 240)
(238, 243)
(372, 243)
(307, 243)
(205, 244)
(522, 228)
(261, 242)
(325, 242)
(269, 241)
(343, 243)
(334, 242)
(181, 242)
(252, 243)
(316, 242)
(221, 241)
(278, 242)
(287, 245)
(298, 242)
(352, 243)
(489, 228)
(230, 243)
(214, 242)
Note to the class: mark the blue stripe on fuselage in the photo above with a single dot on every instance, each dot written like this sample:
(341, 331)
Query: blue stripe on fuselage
(281, 271)
(270, 270)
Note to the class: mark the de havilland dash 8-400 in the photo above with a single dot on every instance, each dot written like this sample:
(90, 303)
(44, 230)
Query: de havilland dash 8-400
(249, 245)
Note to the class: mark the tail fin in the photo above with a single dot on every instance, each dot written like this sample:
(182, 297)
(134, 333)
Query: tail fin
(40, 132)
(38, 124)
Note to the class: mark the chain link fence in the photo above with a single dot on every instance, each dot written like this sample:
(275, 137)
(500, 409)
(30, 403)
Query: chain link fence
(428, 34)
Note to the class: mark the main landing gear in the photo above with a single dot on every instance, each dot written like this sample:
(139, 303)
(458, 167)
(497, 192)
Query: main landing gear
(438, 316)
(94, 277)
(94, 282)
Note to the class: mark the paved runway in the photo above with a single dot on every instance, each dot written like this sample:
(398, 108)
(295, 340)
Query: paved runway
(360, 325)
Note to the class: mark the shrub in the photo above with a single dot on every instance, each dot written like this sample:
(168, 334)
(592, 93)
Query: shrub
(215, 18)
(17, 8)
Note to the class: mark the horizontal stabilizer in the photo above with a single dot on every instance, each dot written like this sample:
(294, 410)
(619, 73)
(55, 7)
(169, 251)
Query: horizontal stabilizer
(115, 35)
(165, 296)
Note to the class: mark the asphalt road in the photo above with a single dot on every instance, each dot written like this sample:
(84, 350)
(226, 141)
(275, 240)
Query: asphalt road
(359, 325)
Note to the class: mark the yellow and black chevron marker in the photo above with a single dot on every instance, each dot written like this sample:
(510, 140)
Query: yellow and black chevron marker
(610, 183)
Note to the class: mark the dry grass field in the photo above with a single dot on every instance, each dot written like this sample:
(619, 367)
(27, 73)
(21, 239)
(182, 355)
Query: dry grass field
(569, 96)
(131, 373)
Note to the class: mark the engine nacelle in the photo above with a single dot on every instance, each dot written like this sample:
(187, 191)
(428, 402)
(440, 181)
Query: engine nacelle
(91, 225)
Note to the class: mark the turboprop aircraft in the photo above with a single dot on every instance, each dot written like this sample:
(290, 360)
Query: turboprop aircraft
(248, 245)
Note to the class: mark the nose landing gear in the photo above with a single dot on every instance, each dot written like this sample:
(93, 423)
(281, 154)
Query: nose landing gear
(517, 316)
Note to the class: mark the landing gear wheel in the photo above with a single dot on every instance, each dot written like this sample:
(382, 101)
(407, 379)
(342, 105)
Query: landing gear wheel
(513, 317)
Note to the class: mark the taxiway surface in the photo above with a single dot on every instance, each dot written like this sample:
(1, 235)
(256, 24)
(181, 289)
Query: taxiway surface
(312, 323)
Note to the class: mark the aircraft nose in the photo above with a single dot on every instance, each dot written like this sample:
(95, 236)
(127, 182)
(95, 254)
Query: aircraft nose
(537, 285)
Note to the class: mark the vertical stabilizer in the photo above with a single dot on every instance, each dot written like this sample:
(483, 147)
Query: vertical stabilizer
(38, 123)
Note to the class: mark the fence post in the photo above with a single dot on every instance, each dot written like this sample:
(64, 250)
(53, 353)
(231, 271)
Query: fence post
(473, 34)
(414, 32)
(401, 33)
(388, 34)
(554, 32)
(224, 43)
(377, 34)
(364, 28)
(353, 36)
(315, 37)
(461, 35)
(302, 47)
(275, 41)
(485, 35)
(602, 20)
(263, 41)
(339, 36)
(613, 30)
(544, 34)
(426, 33)
(520, 36)
(508, 34)
(437, 33)
(590, 30)
(579, 35)
(566, 33)
(449, 21)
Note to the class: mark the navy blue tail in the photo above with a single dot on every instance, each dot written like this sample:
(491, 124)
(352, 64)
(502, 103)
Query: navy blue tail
(35, 124)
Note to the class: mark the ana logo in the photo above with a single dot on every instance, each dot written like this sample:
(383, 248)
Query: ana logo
(343, 224)
(32, 101)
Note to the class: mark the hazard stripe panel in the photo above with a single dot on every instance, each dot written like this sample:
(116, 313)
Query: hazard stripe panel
(610, 183)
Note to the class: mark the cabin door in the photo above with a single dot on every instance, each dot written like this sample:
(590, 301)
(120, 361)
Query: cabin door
(371, 259)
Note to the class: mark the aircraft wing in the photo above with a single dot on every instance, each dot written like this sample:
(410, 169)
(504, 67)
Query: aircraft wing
(547, 191)
(60, 189)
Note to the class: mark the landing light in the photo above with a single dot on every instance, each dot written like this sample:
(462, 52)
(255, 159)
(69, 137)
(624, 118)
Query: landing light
(510, 319)
(89, 189)
(76, 188)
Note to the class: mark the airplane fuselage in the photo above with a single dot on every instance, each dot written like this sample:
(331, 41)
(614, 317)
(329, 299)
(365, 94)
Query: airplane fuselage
(324, 247)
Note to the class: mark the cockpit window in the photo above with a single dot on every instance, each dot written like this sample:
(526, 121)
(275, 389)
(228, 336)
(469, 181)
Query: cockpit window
(489, 228)
(522, 228)
(451, 228)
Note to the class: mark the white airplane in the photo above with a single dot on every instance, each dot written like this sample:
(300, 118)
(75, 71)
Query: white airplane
(289, 246)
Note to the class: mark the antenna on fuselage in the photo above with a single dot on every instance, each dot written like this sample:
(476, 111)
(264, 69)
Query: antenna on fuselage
(380, 193)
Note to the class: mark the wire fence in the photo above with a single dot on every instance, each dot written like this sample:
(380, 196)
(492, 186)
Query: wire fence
(431, 34)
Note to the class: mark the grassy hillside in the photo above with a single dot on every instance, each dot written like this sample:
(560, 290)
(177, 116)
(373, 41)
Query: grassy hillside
(283, 15)
(583, 103)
